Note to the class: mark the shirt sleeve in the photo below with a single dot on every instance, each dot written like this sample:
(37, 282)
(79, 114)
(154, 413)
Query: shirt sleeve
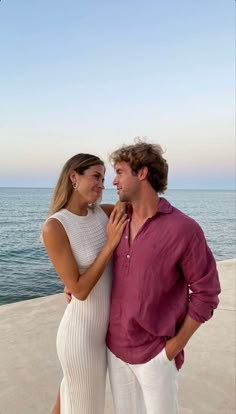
(199, 269)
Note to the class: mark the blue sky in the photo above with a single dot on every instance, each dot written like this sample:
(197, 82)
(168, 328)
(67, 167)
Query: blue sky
(89, 76)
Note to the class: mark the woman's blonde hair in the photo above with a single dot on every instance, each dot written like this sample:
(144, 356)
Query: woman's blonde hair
(63, 189)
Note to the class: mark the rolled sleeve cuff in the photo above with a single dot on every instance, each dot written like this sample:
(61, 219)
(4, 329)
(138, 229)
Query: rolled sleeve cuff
(201, 312)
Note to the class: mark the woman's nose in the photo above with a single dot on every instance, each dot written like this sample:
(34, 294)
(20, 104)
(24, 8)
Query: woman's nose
(101, 184)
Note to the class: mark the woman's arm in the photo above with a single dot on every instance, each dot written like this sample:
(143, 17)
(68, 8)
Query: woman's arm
(59, 251)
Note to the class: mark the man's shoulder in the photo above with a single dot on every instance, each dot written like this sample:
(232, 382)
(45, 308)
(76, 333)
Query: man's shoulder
(182, 221)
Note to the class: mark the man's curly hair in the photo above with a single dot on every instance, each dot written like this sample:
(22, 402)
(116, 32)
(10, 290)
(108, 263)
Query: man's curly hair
(143, 154)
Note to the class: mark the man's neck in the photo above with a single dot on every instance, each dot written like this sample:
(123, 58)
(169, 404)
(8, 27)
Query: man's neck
(141, 212)
(143, 209)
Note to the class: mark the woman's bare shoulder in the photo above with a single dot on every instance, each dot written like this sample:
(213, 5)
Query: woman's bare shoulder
(53, 227)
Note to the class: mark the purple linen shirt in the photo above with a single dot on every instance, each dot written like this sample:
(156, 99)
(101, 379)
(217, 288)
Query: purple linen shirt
(166, 273)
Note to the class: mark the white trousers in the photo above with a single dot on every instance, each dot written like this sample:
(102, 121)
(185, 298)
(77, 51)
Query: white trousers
(149, 388)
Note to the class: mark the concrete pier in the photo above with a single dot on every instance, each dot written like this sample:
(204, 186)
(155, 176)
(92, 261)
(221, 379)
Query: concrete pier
(30, 373)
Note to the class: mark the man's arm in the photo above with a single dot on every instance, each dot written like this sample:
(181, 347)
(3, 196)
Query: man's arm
(178, 342)
(199, 269)
(68, 294)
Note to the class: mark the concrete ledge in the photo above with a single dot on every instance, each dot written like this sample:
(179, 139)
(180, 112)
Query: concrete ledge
(30, 372)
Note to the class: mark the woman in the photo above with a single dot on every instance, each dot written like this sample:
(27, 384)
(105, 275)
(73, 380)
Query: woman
(80, 240)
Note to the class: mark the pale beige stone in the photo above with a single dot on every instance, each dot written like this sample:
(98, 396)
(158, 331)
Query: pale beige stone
(30, 373)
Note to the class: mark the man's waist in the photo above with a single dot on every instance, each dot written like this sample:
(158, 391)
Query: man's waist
(134, 352)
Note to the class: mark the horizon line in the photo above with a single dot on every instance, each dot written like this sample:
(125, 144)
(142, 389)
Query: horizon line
(112, 188)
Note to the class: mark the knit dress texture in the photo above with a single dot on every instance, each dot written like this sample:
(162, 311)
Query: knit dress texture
(81, 335)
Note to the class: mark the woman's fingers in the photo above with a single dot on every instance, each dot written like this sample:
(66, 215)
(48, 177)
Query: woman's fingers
(123, 219)
(116, 226)
(117, 215)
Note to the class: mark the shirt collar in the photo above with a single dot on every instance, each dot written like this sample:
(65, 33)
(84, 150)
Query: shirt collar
(163, 207)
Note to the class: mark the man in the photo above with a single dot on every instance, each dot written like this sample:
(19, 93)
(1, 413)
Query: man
(165, 285)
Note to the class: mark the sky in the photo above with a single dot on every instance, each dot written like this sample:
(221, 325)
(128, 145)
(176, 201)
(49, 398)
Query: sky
(90, 76)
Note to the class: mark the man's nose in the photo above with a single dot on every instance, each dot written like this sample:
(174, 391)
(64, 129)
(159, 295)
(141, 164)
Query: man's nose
(114, 182)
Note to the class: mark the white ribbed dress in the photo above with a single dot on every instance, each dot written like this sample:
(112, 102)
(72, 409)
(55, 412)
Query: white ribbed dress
(81, 335)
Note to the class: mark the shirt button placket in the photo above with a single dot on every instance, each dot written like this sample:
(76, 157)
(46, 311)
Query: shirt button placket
(128, 262)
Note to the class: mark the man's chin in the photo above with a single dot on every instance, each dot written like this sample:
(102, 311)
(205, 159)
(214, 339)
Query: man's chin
(123, 199)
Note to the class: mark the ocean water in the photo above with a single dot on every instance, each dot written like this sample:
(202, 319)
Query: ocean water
(25, 270)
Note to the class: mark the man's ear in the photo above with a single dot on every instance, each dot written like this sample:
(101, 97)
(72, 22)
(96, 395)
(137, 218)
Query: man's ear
(142, 173)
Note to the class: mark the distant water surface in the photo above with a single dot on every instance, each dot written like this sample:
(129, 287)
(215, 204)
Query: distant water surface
(25, 270)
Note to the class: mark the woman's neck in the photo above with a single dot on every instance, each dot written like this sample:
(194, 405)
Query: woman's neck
(75, 206)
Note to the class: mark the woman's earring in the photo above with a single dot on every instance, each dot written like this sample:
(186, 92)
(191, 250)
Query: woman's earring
(75, 185)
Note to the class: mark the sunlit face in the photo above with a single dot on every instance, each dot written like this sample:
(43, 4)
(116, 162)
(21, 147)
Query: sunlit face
(91, 183)
(126, 181)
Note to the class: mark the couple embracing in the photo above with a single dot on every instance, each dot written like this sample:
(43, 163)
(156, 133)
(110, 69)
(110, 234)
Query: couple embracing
(141, 278)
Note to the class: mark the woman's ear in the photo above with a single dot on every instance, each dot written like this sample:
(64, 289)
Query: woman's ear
(73, 175)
